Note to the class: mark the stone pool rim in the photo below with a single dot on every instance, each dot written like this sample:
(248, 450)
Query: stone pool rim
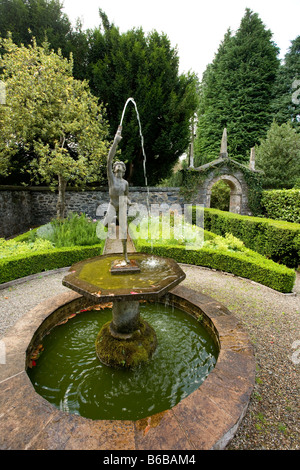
(205, 420)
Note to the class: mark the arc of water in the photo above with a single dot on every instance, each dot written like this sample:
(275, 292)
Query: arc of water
(142, 143)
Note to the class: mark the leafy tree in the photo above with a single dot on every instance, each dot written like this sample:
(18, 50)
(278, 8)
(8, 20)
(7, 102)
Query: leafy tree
(144, 67)
(278, 156)
(236, 91)
(41, 19)
(286, 103)
(52, 116)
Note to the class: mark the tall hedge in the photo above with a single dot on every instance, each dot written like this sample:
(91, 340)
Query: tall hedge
(282, 204)
(273, 239)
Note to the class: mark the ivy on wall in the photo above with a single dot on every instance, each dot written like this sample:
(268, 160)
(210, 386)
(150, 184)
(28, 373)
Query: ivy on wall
(192, 180)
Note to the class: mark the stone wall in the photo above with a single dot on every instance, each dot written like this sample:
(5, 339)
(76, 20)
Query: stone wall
(15, 211)
(21, 209)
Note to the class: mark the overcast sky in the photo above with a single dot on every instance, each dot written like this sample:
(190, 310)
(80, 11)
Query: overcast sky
(195, 27)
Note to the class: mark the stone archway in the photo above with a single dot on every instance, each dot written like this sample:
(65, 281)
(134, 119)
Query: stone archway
(236, 192)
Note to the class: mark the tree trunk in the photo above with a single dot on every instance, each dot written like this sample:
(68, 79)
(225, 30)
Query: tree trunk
(61, 203)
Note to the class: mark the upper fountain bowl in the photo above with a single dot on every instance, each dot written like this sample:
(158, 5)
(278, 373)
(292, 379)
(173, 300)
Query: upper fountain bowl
(93, 278)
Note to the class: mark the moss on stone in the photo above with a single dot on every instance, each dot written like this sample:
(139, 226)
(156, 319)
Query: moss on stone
(126, 353)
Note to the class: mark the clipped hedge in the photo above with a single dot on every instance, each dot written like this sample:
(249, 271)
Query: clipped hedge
(274, 239)
(282, 204)
(247, 264)
(20, 266)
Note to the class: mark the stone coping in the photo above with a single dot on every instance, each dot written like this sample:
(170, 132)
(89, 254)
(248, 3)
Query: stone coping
(205, 420)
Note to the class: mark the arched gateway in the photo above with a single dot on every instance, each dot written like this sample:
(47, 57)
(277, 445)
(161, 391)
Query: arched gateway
(230, 171)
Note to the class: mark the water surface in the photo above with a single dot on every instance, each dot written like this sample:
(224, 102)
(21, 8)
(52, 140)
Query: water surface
(69, 375)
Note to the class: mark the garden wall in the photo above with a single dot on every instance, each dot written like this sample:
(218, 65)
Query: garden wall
(24, 208)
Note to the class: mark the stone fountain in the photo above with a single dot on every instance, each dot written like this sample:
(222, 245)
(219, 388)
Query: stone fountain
(127, 340)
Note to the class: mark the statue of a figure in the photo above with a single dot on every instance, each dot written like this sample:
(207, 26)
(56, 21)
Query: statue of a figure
(118, 192)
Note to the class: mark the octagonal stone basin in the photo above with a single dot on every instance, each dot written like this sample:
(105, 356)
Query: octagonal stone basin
(93, 278)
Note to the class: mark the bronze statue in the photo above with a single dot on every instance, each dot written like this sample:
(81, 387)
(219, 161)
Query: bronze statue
(118, 193)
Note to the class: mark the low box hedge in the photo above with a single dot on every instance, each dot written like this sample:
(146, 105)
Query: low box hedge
(17, 267)
(246, 264)
(274, 239)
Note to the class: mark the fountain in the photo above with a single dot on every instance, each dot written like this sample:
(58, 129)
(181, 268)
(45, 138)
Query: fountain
(127, 340)
(124, 347)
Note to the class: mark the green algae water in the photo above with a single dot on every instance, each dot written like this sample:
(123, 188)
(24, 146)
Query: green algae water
(69, 375)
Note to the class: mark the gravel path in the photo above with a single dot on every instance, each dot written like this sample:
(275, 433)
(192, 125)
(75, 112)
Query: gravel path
(273, 323)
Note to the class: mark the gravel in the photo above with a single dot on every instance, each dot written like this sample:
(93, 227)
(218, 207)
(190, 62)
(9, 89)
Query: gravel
(272, 320)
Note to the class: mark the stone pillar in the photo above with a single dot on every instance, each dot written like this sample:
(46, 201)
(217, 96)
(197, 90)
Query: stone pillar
(223, 149)
(252, 159)
(126, 318)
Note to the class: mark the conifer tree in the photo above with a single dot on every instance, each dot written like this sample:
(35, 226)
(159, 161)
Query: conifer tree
(278, 155)
(237, 89)
(286, 103)
(41, 19)
(146, 68)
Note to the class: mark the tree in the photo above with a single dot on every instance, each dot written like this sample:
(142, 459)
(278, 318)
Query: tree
(53, 117)
(286, 103)
(278, 156)
(144, 67)
(214, 105)
(41, 19)
(236, 90)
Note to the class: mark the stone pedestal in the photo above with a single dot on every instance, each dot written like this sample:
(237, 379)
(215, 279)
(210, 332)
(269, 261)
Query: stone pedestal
(126, 319)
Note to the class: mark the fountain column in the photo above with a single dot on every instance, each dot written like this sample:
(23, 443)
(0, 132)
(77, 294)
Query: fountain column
(125, 319)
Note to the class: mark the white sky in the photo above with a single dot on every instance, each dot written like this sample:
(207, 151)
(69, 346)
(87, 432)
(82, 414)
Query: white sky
(195, 27)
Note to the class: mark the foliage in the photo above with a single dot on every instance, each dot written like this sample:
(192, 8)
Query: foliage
(170, 229)
(282, 204)
(246, 263)
(18, 266)
(75, 230)
(10, 248)
(286, 103)
(278, 155)
(228, 242)
(145, 67)
(53, 116)
(236, 92)
(273, 239)
(42, 19)
(220, 196)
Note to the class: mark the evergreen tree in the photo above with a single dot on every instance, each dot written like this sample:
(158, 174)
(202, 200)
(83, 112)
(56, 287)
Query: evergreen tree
(286, 104)
(237, 89)
(278, 156)
(214, 106)
(41, 19)
(144, 67)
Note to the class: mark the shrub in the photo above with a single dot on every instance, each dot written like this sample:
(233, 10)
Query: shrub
(247, 263)
(9, 248)
(168, 228)
(282, 204)
(75, 230)
(273, 239)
